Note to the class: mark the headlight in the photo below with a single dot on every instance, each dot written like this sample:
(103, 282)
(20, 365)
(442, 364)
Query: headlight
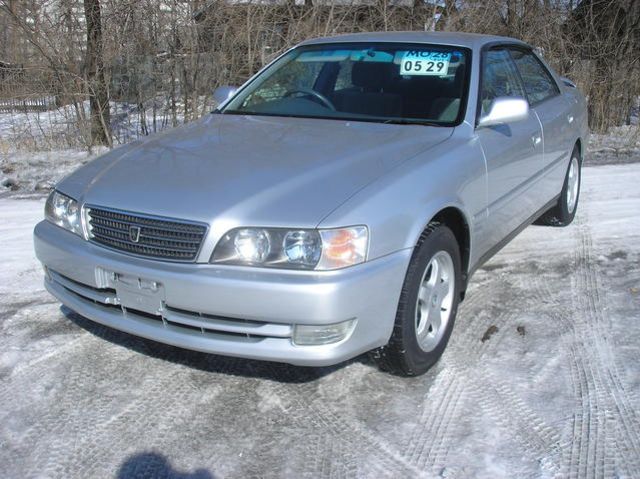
(302, 247)
(252, 246)
(293, 249)
(64, 212)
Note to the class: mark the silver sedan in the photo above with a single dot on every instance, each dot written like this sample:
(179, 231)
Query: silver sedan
(337, 203)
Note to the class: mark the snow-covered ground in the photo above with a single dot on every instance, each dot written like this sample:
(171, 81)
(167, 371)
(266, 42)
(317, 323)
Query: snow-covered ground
(60, 126)
(541, 378)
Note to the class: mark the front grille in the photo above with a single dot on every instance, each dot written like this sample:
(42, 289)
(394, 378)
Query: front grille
(161, 238)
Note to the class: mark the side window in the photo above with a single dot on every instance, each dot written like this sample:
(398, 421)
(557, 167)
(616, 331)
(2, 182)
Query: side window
(499, 78)
(538, 82)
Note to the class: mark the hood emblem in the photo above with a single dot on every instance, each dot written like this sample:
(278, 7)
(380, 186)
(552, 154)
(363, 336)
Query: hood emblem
(134, 233)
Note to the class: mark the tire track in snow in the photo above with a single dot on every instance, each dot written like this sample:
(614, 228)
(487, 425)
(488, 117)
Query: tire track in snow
(508, 410)
(170, 403)
(606, 375)
(383, 457)
(605, 424)
(89, 421)
(75, 421)
(429, 437)
(584, 454)
(27, 370)
(311, 406)
(434, 435)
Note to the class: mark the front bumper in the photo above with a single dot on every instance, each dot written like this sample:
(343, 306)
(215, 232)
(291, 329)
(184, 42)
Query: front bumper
(234, 311)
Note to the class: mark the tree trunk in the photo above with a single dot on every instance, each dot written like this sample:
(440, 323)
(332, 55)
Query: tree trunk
(511, 16)
(12, 55)
(98, 90)
(450, 10)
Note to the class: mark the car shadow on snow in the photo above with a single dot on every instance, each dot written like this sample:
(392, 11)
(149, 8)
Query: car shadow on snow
(213, 363)
(152, 464)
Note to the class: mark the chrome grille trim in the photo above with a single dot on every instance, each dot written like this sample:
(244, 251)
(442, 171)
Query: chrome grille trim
(161, 238)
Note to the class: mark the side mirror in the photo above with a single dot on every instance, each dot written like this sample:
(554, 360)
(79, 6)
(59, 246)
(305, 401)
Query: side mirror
(505, 110)
(223, 93)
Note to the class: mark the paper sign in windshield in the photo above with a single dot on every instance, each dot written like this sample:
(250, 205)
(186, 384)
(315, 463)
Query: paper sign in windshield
(425, 63)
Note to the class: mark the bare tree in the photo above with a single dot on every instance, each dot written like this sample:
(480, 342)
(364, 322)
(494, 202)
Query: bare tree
(98, 89)
(158, 60)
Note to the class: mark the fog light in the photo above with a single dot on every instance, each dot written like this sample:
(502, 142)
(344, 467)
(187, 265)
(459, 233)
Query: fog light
(310, 335)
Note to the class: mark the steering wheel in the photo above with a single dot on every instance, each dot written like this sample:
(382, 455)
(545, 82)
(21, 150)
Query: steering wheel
(307, 91)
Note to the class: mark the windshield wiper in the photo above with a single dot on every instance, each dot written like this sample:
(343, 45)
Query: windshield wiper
(394, 121)
(410, 121)
(237, 112)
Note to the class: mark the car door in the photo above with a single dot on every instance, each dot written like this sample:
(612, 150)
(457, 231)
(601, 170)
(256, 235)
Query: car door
(554, 113)
(513, 151)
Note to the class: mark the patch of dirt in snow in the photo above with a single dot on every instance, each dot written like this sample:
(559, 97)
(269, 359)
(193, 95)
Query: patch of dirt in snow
(38, 172)
(620, 145)
(562, 400)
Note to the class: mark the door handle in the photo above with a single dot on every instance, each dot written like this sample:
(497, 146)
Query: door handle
(536, 140)
(570, 118)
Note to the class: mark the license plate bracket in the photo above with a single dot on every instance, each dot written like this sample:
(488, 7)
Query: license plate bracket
(140, 294)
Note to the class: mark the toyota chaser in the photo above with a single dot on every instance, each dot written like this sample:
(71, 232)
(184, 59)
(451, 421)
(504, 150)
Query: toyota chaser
(335, 204)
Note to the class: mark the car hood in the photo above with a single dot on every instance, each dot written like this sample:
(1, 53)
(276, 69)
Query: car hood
(248, 170)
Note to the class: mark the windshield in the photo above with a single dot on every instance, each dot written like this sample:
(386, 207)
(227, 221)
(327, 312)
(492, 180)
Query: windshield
(390, 83)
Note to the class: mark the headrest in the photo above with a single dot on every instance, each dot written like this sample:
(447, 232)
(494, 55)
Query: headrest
(371, 75)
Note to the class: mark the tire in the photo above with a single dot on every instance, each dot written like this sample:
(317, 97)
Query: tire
(417, 342)
(564, 211)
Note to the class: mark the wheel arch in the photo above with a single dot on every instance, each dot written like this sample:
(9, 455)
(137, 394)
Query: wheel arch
(455, 219)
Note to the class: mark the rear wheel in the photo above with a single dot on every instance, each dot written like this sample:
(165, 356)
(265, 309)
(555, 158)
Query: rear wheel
(564, 211)
(428, 305)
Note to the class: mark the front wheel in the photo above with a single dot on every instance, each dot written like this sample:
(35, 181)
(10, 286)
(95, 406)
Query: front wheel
(564, 211)
(427, 307)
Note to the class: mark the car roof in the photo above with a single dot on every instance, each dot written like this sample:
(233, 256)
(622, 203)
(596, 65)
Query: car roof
(469, 40)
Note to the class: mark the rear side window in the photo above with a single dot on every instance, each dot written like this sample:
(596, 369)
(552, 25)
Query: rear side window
(499, 78)
(538, 82)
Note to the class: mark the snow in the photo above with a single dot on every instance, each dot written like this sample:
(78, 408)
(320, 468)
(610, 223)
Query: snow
(553, 392)
(57, 128)
(39, 130)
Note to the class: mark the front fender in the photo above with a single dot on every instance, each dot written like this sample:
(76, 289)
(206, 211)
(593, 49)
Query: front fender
(398, 206)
